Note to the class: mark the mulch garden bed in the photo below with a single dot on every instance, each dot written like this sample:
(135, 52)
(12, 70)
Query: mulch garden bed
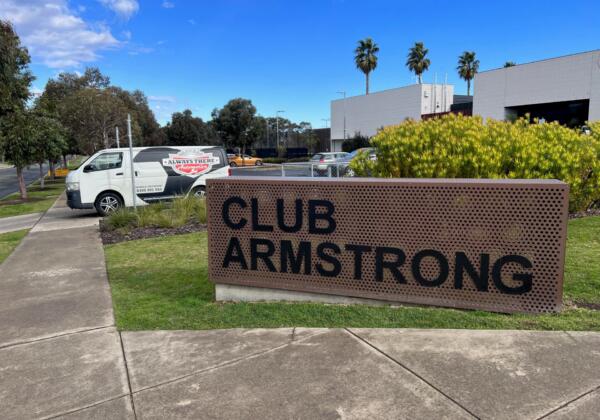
(586, 213)
(115, 236)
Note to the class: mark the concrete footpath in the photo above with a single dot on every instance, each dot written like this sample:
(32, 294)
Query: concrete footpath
(14, 223)
(61, 357)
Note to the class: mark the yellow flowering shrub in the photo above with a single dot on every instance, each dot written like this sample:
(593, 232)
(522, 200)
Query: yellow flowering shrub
(456, 146)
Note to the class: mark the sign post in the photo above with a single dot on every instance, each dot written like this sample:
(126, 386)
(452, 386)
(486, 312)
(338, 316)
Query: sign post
(133, 189)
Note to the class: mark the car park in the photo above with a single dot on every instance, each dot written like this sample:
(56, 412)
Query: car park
(104, 181)
(244, 160)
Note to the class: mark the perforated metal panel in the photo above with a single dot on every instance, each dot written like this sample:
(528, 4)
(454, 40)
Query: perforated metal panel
(477, 218)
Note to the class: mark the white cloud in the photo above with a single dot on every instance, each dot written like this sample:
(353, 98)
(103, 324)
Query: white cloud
(54, 34)
(123, 8)
(191, 21)
(168, 4)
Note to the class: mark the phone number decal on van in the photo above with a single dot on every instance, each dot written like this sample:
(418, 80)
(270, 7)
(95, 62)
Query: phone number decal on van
(191, 164)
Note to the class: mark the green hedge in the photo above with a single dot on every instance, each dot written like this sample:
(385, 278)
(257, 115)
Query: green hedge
(455, 146)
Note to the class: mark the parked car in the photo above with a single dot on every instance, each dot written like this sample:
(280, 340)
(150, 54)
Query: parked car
(103, 181)
(344, 163)
(244, 160)
(322, 161)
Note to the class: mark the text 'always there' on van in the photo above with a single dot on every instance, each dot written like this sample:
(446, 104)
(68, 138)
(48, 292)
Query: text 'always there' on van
(103, 181)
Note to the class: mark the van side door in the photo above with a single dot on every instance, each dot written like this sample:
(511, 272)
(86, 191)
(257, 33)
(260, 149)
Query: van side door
(104, 172)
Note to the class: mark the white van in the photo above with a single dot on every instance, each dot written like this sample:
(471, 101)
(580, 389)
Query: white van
(103, 181)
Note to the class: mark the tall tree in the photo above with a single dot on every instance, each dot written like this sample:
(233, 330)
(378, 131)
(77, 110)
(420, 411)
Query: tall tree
(49, 142)
(417, 60)
(17, 138)
(90, 108)
(15, 76)
(510, 64)
(234, 123)
(186, 130)
(468, 66)
(15, 81)
(365, 57)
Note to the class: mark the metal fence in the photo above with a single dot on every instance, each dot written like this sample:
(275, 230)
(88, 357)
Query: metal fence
(299, 169)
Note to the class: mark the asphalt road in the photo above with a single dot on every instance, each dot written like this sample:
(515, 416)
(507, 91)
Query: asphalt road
(273, 170)
(8, 179)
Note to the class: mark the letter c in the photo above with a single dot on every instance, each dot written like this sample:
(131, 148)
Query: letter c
(225, 212)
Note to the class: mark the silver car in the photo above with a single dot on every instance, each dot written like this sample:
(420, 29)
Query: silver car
(322, 161)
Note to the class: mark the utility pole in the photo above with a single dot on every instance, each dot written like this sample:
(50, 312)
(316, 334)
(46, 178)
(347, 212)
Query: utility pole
(117, 133)
(267, 139)
(326, 121)
(277, 116)
(133, 195)
(343, 93)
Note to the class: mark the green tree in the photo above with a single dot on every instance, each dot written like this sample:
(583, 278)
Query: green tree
(17, 138)
(90, 108)
(15, 76)
(468, 66)
(510, 64)
(417, 60)
(235, 122)
(356, 142)
(185, 129)
(49, 142)
(365, 57)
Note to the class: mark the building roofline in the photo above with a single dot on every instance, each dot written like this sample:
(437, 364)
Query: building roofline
(390, 89)
(542, 60)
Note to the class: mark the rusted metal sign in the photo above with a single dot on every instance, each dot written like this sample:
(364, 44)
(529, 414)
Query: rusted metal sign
(497, 245)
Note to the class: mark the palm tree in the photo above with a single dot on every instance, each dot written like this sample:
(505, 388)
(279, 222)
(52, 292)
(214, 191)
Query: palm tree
(468, 65)
(365, 57)
(509, 64)
(417, 61)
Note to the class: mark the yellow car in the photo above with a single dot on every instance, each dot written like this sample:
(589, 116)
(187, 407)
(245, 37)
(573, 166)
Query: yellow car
(244, 160)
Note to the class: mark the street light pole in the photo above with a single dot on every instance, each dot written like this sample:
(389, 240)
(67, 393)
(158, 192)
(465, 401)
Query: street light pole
(133, 189)
(343, 93)
(277, 116)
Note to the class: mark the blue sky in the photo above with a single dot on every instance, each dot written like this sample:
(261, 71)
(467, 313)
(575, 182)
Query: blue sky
(285, 55)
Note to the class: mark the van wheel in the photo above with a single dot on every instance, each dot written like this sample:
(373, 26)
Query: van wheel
(108, 203)
(232, 164)
(199, 192)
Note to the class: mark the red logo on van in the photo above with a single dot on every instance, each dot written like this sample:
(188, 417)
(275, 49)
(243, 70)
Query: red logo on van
(191, 163)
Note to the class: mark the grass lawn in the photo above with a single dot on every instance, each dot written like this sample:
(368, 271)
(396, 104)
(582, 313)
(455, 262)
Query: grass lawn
(9, 241)
(161, 283)
(39, 200)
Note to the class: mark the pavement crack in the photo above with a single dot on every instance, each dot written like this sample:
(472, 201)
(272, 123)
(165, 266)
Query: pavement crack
(225, 364)
(77, 410)
(560, 407)
(293, 334)
(411, 371)
(128, 377)
(35, 340)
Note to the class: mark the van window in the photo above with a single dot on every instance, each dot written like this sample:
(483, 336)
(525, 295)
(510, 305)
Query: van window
(106, 161)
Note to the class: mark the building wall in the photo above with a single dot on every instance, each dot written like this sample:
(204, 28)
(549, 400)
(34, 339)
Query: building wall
(559, 79)
(366, 114)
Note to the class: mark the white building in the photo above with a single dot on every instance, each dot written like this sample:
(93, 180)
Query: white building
(566, 89)
(366, 114)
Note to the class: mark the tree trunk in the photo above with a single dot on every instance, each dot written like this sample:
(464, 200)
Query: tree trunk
(420, 81)
(22, 186)
(65, 161)
(52, 164)
(367, 80)
(468, 87)
(42, 185)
